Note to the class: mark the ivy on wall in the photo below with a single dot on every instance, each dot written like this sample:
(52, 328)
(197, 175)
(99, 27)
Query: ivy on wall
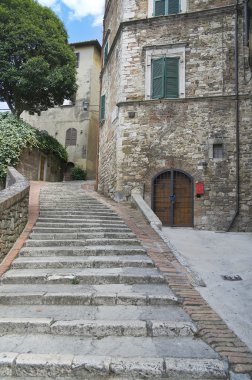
(16, 135)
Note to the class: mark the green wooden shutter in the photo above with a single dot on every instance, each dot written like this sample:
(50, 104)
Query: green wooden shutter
(172, 77)
(173, 6)
(106, 53)
(159, 7)
(103, 99)
(157, 78)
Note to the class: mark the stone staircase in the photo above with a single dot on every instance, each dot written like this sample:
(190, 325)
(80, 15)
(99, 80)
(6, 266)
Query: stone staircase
(84, 301)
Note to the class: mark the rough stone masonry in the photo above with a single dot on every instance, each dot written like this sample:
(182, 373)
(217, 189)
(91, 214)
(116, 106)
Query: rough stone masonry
(141, 137)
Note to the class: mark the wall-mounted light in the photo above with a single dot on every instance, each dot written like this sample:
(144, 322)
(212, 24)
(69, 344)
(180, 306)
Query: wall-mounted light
(56, 133)
(81, 132)
(85, 105)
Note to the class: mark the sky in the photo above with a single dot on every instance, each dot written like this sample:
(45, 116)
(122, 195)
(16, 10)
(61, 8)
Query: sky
(82, 19)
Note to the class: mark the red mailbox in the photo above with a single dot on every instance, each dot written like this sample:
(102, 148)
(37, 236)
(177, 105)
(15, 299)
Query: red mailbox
(200, 188)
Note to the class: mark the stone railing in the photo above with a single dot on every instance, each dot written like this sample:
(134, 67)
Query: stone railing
(14, 201)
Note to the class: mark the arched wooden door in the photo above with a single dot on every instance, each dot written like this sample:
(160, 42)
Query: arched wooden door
(173, 198)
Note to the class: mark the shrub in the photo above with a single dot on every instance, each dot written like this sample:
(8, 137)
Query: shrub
(78, 174)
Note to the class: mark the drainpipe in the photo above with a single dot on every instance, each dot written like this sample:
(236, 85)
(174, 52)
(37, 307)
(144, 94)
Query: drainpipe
(237, 210)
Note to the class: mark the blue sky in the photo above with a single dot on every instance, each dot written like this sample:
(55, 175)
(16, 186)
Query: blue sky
(82, 19)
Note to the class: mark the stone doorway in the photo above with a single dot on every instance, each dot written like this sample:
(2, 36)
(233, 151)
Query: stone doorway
(172, 198)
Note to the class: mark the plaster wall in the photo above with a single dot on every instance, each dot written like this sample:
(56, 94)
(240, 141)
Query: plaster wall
(58, 120)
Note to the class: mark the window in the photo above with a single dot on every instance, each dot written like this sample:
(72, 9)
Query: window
(165, 78)
(105, 55)
(77, 59)
(218, 151)
(71, 137)
(102, 114)
(165, 72)
(166, 7)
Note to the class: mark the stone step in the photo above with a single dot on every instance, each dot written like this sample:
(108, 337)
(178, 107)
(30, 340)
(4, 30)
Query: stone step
(82, 262)
(80, 243)
(79, 216)
(81, 235)
(78, 210)
(83, 220)
(80, 224)
(115, 250)
(66, 230)
(89, 367)
(124, 347)
(73, 206)
(172, 313)
(84, 276)
(97, 328)
(93, 295)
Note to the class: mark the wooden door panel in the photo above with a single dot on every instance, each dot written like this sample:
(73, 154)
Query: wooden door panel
(162, 197)
(179, 212)
(182, 187)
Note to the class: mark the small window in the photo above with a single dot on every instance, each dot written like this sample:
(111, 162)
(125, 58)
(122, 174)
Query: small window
(102, 114)
(165, 78)
(106, 51)
(77, 59)
(218, 151)
(166, 7)
(71, 137)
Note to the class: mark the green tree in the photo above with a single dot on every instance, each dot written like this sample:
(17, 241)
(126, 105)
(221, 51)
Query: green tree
(37, 66)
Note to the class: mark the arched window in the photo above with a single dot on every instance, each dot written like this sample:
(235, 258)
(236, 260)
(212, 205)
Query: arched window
(71, 137)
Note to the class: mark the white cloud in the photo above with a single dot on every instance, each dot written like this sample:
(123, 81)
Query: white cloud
(79, 9)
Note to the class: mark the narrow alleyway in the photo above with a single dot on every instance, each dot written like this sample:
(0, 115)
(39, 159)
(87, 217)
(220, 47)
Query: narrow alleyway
(84, 301)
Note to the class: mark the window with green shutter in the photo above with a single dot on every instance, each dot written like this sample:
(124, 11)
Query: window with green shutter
(158, 78)
(165, 77)
(171, 77)
(166, 7)
(102, 113)
(173, 7)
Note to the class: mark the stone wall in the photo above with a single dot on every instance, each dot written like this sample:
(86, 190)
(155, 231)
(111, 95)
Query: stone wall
(141, 137)
(29, 166)
(14, 202)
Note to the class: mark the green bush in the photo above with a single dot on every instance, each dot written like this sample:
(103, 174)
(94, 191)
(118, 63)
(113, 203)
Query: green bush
(16, 135)
(78, 174)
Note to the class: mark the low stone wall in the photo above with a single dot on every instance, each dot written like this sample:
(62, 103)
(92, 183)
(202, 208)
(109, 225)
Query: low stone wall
(14, 202)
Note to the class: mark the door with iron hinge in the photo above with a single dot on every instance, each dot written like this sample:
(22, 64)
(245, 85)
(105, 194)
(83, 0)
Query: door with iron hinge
(172, 198)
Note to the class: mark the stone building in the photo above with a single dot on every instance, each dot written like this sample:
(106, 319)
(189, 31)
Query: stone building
(176, 109)
(75, 123)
